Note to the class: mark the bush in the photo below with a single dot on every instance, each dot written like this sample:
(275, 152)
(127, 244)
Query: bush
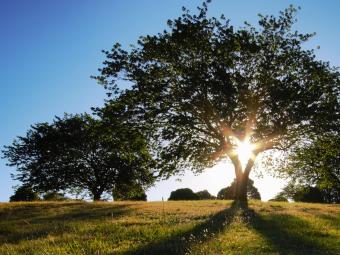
(139, 197)
(226, 193)
(279, 198)
(24, 193)
(183, 194)
(132, 191)
(54, 196)
(311, 194)
(204, 195)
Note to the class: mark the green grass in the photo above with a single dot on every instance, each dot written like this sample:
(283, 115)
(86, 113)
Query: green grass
(185, 227)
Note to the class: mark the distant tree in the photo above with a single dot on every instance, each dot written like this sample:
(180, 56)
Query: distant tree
(139, 197)
(310, 194)
(54, 196)
(183, 194)
(227, 193)
(129, 191)
(81, 152)
(24, 193)
(252, 192)
(230, 191)
(280, 197)
(203, 87)
(204, 195)
(314, 169)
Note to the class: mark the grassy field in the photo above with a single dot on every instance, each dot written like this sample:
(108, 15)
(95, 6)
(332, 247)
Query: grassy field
(197, 227)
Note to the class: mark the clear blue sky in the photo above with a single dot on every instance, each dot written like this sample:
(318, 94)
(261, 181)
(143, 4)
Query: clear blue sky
(49, 49)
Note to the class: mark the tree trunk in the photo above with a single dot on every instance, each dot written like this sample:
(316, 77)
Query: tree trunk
(241, 187)
(96, 195)
(241, 180)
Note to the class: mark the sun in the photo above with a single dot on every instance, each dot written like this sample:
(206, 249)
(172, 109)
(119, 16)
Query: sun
(244, 151)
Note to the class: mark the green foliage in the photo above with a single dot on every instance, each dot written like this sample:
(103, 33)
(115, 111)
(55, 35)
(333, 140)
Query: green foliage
(129, 191)
(188, 194)
(183, 194)
(314, 170)
(204, 195)
(310, 194)
(24, 193)
(280, 197)
(229, 192)
(81, 152)
(54, 196)
(202, 85)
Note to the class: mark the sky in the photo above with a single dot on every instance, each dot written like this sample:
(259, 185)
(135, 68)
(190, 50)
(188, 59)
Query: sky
(49, 50)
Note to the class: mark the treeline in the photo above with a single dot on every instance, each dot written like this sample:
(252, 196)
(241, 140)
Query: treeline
(227, 193)
(25, 193)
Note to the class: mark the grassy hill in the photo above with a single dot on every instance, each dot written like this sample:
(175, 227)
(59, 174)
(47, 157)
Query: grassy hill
(185, 227)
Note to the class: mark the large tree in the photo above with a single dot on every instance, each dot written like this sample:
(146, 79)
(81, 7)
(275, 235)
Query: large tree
(81, 152)
(203, 88)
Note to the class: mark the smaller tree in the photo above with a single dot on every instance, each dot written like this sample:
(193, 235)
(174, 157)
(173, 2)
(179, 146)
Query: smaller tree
(280, 197)
(314, 170)
(183, 194)
(310, 194)
(252, 192)
(82, 152)
(24, 193)
(204, 195)
(54, 196)
(133, 191)
(229, 192)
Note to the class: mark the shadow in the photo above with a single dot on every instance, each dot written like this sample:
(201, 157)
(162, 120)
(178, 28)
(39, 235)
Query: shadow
(181, 243)
(30, 222)
(292, 235)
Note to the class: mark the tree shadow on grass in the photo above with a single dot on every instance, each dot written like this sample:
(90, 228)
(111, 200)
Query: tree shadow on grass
(286, 234)
(292, 235)
(180, 243)
(32, 222)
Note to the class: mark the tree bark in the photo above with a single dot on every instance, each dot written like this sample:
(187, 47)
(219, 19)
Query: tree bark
(242, 178)
(241, 187)
(96, 195)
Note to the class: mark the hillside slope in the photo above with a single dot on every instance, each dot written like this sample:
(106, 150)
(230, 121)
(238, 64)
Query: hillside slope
(184, 227)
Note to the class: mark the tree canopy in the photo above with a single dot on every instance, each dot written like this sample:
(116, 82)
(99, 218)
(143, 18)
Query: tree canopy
(183, 194)
(204, 195)
(310, 194)
(202, 86)
(316, 163)
(131, 190)
(24, 193)
(81, 152)
(54, 196)
(280, 197)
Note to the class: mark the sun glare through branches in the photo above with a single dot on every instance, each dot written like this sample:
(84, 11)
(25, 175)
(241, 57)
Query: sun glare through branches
(244, 151)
